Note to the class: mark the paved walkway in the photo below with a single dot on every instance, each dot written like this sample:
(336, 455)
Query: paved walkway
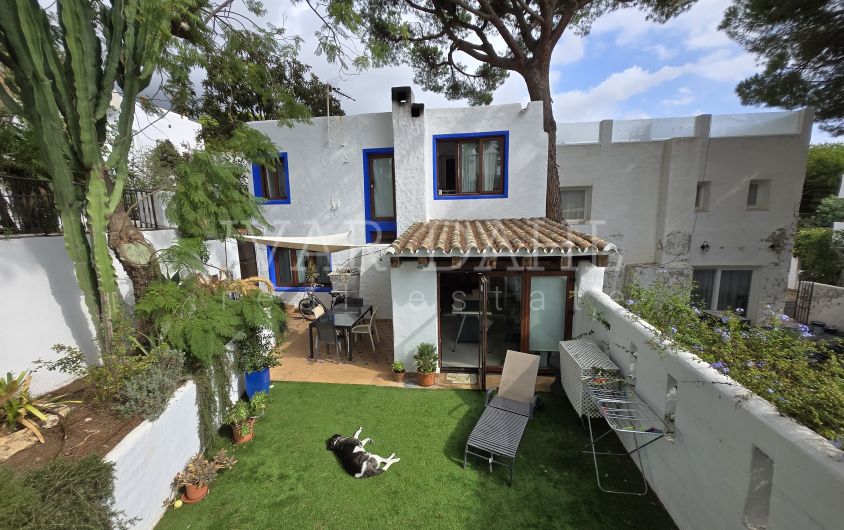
(366, 368)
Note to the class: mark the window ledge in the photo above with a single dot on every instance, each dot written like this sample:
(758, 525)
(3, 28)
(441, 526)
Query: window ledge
(274, 201)
(470, 197)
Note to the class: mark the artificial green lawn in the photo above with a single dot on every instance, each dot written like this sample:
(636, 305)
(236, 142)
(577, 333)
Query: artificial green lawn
(285, 478)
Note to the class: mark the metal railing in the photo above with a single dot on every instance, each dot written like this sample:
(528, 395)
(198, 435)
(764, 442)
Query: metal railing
(27, 207)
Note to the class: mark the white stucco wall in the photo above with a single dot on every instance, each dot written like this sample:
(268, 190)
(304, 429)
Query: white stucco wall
(148, 458)
(643, 194)
(414, 294)
(43, 304)
(828, 305)
(703, 476)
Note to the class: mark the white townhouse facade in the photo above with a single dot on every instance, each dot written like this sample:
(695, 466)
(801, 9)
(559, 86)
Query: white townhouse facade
(443, 209)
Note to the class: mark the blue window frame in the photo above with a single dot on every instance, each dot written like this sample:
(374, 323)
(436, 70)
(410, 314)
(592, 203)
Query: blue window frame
(471, 165)
(378, 230)
(287, 266)
(272, 184)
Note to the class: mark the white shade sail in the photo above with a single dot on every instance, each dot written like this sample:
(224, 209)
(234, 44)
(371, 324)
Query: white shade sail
(330, 243)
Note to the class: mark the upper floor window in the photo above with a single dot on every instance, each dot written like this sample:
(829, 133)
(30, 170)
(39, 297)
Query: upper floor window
(273, 183)
(575, 203)
(292, 268)
(702, 197)
(758, 193)
(470, 166)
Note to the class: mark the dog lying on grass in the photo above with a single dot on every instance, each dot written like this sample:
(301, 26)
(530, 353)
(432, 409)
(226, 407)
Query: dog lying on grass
(356, 460)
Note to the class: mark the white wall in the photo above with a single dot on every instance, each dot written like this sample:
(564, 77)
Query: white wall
(148, 458)
(828, 305)
(414, 293)
(643, 195)
(43, 304)
(703, 476)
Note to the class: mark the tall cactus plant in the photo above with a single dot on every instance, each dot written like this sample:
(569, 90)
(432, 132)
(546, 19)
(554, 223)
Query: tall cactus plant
(60, 77)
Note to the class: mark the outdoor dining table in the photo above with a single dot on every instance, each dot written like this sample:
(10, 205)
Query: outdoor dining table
(344, 317)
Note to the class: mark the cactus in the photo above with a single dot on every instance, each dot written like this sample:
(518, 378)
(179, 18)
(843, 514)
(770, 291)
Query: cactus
(60, 80)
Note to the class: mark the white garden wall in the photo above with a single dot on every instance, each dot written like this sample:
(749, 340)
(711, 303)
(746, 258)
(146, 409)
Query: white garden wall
(43, 305)
(148, 458)
(827, 305)
(703, 477)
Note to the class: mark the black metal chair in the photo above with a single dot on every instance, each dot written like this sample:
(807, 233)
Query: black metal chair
(327, 334)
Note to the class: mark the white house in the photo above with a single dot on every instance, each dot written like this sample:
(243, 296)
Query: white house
(712, 197)
(443, 210)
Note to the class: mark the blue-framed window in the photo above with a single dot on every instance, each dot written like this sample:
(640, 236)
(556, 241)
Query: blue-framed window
(471, 165)
(288, 269)
(272, 183)
(379, 195)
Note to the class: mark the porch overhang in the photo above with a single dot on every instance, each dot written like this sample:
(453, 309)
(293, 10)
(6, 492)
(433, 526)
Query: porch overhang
(328, 243)
(491, 238)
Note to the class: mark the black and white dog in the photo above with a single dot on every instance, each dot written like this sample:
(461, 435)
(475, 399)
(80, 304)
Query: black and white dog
(356, 460)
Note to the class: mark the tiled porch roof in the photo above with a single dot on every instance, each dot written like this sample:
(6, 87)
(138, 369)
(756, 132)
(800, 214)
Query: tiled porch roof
(534, 236)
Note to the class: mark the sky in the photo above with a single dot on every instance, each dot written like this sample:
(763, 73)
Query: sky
(626, 68)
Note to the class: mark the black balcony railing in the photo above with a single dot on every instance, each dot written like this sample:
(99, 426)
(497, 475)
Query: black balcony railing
(27, 207)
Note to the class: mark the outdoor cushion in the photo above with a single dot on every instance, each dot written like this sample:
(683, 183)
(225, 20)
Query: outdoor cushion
(518, 379)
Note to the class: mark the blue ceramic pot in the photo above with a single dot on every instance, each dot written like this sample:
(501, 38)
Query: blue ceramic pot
(257, 382)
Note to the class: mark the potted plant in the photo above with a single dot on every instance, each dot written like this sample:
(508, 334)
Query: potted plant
(242, 415)
(398, 372)
(426, 363)
(255, 356)
(199, 473)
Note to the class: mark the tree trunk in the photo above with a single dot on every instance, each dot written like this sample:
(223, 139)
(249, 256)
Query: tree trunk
(539, 89)
(133, 251)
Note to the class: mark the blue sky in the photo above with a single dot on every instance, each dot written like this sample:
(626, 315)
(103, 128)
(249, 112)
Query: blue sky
(627, 67)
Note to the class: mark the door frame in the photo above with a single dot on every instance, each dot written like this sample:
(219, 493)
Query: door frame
(374, 227)
(524, 338)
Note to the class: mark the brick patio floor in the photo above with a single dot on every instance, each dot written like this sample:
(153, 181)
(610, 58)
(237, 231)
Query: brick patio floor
(366, 368)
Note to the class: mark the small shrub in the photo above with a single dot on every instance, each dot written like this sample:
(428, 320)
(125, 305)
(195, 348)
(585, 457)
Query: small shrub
(146, 392)
(803, 379)
(398, 367)
(255, 352)
(200, 471)
(426, 358)
(66, 493)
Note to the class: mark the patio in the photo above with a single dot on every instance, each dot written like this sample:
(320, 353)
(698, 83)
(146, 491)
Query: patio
(367, 367)
(286, 477)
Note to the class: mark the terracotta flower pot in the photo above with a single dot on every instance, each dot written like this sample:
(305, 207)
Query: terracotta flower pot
(398, 377)
(427, 379)
(241, 438)
(195, 493)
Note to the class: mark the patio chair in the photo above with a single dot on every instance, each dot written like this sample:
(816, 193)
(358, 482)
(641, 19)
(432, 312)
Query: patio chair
(328, 334)
(500, 428)
(367, 329)
(516, 392)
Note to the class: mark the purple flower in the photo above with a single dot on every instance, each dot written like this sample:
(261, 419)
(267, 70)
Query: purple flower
(837, 443)
(696, 310)
(725, 336)
(720, 366)
(760, 364)
(673, 329)
(750, 364)
(770, 390)
(803, 328)
(784, 318)
(698, 347)
(805, 334)
(725, 320)
(630, 301)
(739, 311)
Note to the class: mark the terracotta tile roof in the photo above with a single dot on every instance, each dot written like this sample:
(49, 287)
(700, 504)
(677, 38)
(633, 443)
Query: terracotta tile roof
(537, 235)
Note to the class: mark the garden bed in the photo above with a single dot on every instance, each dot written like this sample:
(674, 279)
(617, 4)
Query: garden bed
(89, 428)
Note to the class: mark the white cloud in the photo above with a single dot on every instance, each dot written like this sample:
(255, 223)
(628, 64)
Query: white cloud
(600, 101)
(662, 52)
(684, 97)
(569, 49)
(722, 65)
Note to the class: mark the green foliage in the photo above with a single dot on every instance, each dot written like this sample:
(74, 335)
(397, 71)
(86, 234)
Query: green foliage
(211, 197)
(819, 259)
(66, 493)
(213, 388)
(154, 168)
(426, 358)
(16, 403)
(398, 367)
(146, 392)
(200, 471)
(255, 75)
(799, 42)
(803, 379)
(254, 352)
(824, 167)
(259, 403)
(830, 211)
(242, 414)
